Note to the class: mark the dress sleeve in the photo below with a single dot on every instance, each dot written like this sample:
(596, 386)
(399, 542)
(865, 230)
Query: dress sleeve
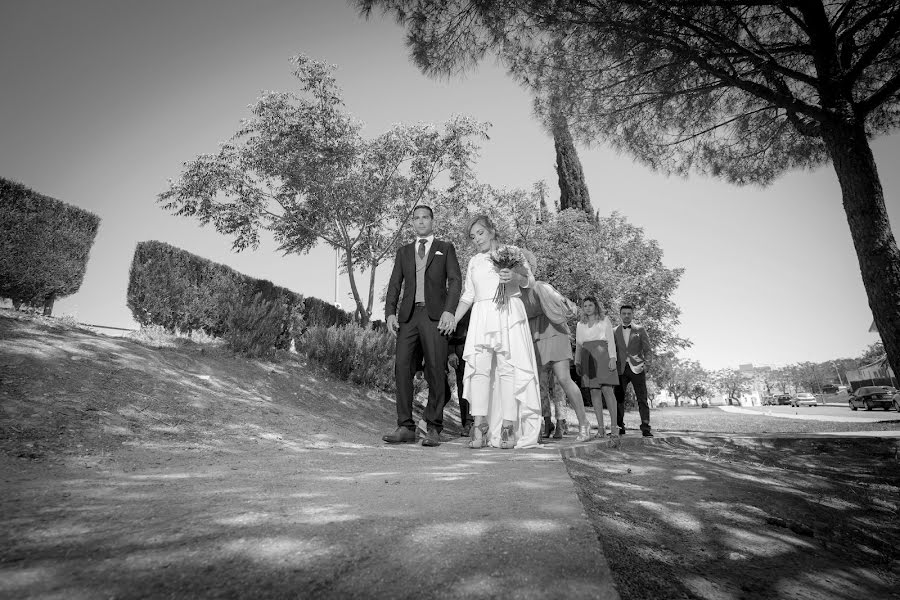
(468, 294)
(529, 276)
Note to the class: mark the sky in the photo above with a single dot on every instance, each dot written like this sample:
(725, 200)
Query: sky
(101, 103)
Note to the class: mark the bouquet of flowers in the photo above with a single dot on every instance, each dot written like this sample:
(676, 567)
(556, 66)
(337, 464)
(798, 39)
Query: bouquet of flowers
(505, 257)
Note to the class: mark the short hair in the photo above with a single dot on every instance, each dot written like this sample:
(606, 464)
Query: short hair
(426, 207)
(486, 223)
(624, 306)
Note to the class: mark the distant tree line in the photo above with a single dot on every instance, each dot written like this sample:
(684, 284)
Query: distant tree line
(44, 246)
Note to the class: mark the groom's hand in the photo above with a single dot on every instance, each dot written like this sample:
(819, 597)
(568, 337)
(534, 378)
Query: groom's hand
(447, 323)
(392, 324)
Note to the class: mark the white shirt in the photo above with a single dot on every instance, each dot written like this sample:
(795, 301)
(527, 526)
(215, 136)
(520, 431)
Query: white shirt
(428, 241)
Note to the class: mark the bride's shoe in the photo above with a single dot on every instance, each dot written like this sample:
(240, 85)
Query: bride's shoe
(584, 433)
(479, 435)
(507, 437)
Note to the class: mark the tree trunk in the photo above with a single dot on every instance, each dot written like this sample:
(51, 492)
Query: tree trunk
(876, 248)
(48, 305)
(363, 315)
(17, 304)
(573, 191)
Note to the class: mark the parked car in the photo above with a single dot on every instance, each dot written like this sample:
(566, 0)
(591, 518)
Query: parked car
(897, 401)
(829, 388)
(780, 399)
(872, 396)
(804, 399)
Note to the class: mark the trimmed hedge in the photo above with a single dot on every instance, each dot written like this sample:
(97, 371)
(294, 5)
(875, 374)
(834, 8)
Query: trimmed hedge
(44, 246)
(175, 289)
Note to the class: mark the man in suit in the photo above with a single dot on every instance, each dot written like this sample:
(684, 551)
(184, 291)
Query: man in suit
(633, 349)
(428, 272)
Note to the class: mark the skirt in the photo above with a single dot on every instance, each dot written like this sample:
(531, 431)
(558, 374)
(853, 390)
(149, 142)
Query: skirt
(551, 342)
(595, 371)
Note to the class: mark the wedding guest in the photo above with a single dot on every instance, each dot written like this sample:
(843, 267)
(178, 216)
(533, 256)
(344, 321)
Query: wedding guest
(500, 382)
(595, 358)
(457, 364)
(633, 346)
(548, 312)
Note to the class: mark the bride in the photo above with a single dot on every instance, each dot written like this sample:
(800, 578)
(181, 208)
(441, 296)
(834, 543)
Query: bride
(501, 376)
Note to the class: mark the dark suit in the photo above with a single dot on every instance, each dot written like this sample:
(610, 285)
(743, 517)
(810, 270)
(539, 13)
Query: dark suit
(638, 349)
(418, 326)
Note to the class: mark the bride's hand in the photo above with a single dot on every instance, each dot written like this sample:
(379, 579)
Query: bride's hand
(505, 275)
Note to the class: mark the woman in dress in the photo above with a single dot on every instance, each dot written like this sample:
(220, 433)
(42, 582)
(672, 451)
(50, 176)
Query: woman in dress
(595, 360)
(548, 312)
(501, 381)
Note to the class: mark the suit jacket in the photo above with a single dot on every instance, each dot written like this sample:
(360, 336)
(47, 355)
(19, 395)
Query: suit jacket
(638, 346)
(443, 282)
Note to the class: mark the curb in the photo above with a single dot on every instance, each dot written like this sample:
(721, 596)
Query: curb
(890, 438)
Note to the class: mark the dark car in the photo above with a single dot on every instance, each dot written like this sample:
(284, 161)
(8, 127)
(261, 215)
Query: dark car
(782, 399)
(829, 388)
(873, 396)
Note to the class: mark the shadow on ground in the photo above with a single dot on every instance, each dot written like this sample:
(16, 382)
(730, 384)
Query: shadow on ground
(747, 518)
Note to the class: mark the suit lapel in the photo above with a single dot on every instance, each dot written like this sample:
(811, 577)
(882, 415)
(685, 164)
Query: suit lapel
(431, 252)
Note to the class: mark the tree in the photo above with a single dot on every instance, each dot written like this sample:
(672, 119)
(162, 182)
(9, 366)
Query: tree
(743, 90)
(732, 383)
(573, 191)
(300, 168)
(680, 377)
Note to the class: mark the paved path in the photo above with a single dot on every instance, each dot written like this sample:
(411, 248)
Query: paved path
(808, 414)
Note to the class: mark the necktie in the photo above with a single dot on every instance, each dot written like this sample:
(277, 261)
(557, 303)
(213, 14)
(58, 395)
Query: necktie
(421, 248)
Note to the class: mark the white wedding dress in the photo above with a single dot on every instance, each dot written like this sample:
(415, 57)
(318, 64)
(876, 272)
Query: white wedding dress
(503, 330)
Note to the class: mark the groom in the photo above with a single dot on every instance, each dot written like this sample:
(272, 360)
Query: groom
(429, 274)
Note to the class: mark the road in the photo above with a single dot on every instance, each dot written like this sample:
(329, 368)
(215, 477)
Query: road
(829, 412)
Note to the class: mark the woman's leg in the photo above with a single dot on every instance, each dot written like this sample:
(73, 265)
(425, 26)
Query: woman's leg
(573, 393)
(610, 395)
(597, 401)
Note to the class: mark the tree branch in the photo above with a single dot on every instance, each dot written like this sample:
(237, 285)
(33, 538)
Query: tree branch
(887, 35)
(891, 87)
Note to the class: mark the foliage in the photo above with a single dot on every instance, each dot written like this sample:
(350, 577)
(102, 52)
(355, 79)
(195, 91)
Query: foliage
(573, 190)
(732, 383)
(742, 90)
(178, 290)
(254, 325)
(44, 246)
(301, 168)
(352, 353)
(681, 377)
(609, 258)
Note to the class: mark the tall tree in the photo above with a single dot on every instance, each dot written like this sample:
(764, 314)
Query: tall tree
(732, 383)
(740, 89)
(301, 168)
(573, 190)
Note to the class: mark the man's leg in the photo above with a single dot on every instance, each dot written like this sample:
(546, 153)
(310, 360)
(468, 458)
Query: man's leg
(404, 371)
(465, 419)
(639, 381)
(434, 346)
(619, 392)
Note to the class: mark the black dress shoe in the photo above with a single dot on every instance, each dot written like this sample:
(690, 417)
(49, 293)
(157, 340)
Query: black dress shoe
(621, 431)
(646, 432)
(466, 430)
(401, 436)
(432, 438)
